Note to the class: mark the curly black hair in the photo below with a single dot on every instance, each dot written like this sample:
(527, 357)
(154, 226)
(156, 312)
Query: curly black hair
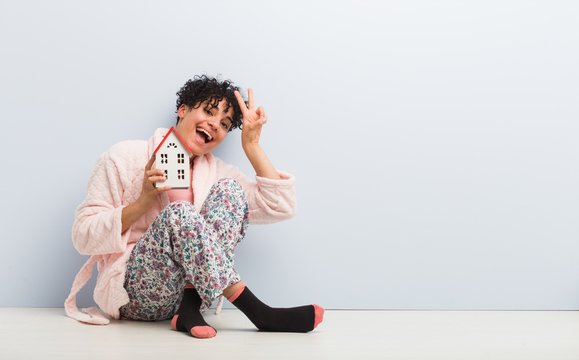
(203, 89)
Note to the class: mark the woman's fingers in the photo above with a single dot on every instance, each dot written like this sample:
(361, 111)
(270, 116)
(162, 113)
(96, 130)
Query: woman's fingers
(155, 179)
(250, 98)
(150, 163)
(163, 189)
(251, 115)
(241, 103)
(262, 115)
(154, 176)
(154, 172)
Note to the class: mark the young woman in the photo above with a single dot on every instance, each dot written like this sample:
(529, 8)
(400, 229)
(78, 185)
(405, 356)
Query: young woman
(164, 253)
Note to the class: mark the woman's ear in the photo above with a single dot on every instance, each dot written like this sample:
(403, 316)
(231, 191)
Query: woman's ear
(181, 111)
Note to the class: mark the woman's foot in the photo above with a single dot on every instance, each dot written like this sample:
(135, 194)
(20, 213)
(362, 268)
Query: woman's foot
(297, 319)
(189, 319)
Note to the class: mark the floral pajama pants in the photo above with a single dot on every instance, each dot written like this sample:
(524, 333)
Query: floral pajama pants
(182, 246)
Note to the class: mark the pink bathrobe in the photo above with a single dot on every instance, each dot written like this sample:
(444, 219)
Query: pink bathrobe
(117, 182)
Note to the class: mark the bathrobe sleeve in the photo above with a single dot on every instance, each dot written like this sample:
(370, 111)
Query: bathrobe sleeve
(97, 226)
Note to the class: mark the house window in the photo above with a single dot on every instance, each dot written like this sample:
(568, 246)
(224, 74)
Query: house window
(166, 174)
(181, 174)
(172, 145)
(180, 158)
(164, 159)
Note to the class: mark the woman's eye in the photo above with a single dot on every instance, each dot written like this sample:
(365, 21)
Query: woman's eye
(208, 111)
(225, 126)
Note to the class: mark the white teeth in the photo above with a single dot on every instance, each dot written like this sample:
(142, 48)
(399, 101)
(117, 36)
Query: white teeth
(209, 137)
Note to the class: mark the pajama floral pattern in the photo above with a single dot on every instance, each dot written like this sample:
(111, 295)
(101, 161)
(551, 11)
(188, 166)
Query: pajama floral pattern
(182, 246)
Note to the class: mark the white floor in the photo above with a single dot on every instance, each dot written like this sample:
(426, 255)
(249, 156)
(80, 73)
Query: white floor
(466, 335)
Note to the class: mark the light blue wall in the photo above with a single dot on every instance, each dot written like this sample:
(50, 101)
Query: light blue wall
(434, 142)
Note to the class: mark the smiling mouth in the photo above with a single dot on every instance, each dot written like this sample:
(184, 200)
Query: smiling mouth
(204, 135)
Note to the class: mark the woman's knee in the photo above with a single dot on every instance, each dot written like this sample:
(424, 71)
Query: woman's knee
(181, 209)
(229, 189)
(228, 184)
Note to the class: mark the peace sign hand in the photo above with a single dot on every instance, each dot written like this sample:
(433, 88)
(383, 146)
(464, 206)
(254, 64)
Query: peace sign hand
(253, 119)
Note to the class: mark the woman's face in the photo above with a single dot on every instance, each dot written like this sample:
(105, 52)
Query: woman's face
(204, 128)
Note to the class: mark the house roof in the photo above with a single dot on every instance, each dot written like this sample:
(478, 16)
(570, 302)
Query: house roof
(172, 129)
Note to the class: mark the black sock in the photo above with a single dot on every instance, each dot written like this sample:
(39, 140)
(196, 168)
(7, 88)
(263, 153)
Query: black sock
(188, 316)
(296, 319)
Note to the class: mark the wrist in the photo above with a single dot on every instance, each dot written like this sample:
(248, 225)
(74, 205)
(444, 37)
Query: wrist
(250, 147)
(140, 205)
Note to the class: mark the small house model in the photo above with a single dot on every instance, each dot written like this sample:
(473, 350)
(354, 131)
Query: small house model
(172, 156)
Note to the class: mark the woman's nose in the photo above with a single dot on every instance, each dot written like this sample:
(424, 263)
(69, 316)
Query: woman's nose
(213, 122)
